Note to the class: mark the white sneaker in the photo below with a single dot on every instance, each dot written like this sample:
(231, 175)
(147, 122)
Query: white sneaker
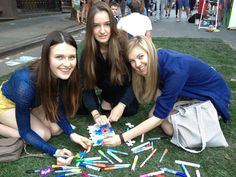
(178, 20)
(156, 19)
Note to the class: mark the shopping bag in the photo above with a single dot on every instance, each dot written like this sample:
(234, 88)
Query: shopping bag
(10, 149)
(197, 126)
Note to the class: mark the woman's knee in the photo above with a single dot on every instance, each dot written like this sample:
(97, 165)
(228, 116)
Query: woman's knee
(44, 133)
(131, 110)
(167, 127)
(55, 129)
(150, 114)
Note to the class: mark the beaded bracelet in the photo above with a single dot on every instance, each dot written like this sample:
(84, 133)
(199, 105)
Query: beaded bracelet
(95, 115)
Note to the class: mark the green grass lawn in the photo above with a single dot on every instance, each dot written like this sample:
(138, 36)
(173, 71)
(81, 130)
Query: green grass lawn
(215, 162)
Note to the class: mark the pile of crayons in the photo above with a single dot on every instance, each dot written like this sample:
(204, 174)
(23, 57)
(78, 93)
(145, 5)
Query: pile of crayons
(142, 147)
(111, 160)
(183, 165)
(97, 164)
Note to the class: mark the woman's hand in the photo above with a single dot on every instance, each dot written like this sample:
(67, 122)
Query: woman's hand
(83, 141)
(113, 141)
(117, 112)
(62, 160)
(102, 120)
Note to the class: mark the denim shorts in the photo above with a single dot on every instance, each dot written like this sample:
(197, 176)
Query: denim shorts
(183, 3)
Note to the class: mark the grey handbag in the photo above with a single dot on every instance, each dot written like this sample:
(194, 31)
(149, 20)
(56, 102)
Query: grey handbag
(197, 126)
(10, 149)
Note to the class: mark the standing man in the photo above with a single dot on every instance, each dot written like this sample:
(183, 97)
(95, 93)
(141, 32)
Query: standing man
(136, 23)
(114, 6)
(185, 4)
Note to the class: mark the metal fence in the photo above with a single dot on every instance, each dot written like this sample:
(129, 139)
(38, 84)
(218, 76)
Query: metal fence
(39, 5)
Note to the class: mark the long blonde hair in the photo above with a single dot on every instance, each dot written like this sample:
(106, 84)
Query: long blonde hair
(145, 88)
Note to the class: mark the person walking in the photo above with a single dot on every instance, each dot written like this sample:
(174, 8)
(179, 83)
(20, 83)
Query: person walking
(76, 6)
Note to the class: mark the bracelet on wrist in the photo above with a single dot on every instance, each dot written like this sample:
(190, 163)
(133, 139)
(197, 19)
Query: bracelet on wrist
(121, 138)
(97, 115)
(122, 104)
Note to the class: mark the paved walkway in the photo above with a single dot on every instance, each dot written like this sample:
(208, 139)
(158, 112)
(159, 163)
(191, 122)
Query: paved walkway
(21, 34)
(171, 28)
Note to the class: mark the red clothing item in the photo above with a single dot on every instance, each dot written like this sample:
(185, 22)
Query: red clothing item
(200, 6)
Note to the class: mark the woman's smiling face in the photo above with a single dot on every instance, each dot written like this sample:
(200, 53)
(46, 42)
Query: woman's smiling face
(62, 60)
(138, 59)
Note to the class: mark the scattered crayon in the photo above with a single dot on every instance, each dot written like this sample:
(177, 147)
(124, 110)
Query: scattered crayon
(157, 138)
(115, 157)
(93, 158)
(187, 163)
(90, 167)
(134, 162)
(173, 172)
(198, 173)
(140, 146)
(67, 174)
(118, 152)
(142, 138)
(185, 170)
(164, 153)
(142, 149)
(102, 154)
(152, 174)
(148, 158)
(61, 155)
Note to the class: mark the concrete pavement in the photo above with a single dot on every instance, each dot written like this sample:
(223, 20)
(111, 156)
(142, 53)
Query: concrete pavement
(170, 28)
(18, 36)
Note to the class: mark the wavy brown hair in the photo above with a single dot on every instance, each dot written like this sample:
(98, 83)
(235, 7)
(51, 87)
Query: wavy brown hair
(116, 49)
(49, 89)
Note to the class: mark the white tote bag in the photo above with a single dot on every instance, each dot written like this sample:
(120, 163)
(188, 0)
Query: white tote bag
(197, 126)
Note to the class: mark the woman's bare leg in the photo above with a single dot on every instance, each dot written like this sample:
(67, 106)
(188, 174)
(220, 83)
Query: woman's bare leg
(167, 127)
(7, 131)
(9, 126)
(40, 114)
(106, 105)
(78, 15)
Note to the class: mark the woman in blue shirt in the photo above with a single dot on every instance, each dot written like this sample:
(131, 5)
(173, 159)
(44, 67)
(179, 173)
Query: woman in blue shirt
(37, 100)
(165, 76)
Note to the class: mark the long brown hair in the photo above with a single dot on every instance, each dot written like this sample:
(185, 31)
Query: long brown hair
(51, 90)
(116, 49)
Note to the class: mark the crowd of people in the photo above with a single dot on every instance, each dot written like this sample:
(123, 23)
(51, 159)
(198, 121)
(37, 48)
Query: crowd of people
(155, 8)
(37, 101)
